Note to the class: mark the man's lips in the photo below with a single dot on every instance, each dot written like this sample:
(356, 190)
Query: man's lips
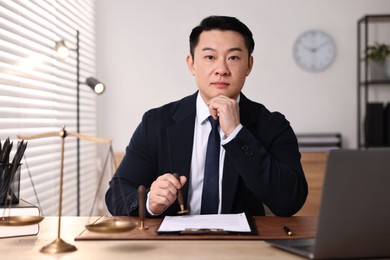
(220, 84)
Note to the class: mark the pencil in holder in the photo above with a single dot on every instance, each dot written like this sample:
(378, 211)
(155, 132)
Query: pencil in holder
(9, 183)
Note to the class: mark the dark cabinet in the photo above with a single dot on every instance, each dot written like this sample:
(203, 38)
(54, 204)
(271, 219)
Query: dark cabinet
(373, 123)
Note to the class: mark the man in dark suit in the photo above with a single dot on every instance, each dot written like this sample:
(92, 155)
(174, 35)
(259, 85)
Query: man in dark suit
(259, 161)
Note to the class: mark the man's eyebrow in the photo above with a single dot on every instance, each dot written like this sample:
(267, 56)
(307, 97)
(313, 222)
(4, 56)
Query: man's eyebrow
(231, 49)
(235, 49)
(208, 49)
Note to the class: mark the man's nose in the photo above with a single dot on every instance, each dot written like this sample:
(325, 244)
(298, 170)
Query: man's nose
(222, 68)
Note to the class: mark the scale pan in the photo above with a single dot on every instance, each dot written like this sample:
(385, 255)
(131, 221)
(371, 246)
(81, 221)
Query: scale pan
(20, 220)
(111, 226)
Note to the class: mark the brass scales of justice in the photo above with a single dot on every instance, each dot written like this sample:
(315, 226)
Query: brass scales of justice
(111, 225)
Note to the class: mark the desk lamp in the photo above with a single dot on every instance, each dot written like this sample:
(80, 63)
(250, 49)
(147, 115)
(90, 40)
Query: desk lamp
(97, 86)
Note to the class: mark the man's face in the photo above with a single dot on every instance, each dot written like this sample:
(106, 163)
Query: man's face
(220, 64)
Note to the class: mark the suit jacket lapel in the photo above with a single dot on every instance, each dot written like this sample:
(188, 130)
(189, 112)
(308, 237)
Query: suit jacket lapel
(180, 139)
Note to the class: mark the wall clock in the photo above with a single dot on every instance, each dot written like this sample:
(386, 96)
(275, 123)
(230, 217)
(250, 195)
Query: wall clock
(314, 50)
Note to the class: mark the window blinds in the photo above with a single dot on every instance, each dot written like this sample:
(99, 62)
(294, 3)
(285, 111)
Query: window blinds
(38, 95)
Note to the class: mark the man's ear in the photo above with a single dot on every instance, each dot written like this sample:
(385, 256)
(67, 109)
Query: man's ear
(250, 65)
(190, 64)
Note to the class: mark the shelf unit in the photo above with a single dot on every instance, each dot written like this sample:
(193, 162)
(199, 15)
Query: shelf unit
(363, 81)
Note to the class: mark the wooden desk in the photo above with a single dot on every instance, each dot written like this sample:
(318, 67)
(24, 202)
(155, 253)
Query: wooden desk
(28, 247)
(314, 165)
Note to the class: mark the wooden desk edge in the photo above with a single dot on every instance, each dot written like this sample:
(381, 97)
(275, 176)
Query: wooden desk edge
(268, 227)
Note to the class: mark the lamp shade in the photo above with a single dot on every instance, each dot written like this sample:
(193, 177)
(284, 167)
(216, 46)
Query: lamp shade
(97, 86)
(62, 50)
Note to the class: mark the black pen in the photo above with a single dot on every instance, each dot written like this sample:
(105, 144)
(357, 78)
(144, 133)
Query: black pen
(287, 230)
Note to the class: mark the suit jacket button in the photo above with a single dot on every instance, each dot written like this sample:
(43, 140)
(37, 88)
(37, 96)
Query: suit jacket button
(133, 205)
(245, 148)
(249, 153)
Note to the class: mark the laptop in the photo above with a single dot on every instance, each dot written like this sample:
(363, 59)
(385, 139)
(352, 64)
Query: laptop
(354, 216)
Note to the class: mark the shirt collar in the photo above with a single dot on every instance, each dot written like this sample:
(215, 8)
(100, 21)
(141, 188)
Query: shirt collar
(202, 111)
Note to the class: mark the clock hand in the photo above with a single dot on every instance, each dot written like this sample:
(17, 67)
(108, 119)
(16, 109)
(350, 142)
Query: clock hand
(322, 45)
(311, 49)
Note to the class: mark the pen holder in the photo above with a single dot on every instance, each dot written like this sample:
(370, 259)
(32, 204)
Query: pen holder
(9, 183)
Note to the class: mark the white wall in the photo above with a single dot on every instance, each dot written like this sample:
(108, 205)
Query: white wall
(142, 47)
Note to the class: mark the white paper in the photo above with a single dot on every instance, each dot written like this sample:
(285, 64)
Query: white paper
(227, 222)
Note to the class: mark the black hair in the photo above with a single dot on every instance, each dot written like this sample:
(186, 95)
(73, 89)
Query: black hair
(222, 23)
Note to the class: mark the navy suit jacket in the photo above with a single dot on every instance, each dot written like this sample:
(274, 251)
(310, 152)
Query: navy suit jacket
(262, 163)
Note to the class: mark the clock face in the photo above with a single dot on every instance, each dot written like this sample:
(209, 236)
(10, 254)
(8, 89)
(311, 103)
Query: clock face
(314, 50)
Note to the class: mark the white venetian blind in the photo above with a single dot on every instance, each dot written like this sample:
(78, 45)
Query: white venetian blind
(38, 95)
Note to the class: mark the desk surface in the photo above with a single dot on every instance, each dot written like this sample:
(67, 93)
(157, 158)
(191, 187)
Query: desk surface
(28, 247)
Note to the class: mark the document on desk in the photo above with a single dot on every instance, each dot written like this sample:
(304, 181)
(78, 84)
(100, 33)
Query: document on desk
(213, 223)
